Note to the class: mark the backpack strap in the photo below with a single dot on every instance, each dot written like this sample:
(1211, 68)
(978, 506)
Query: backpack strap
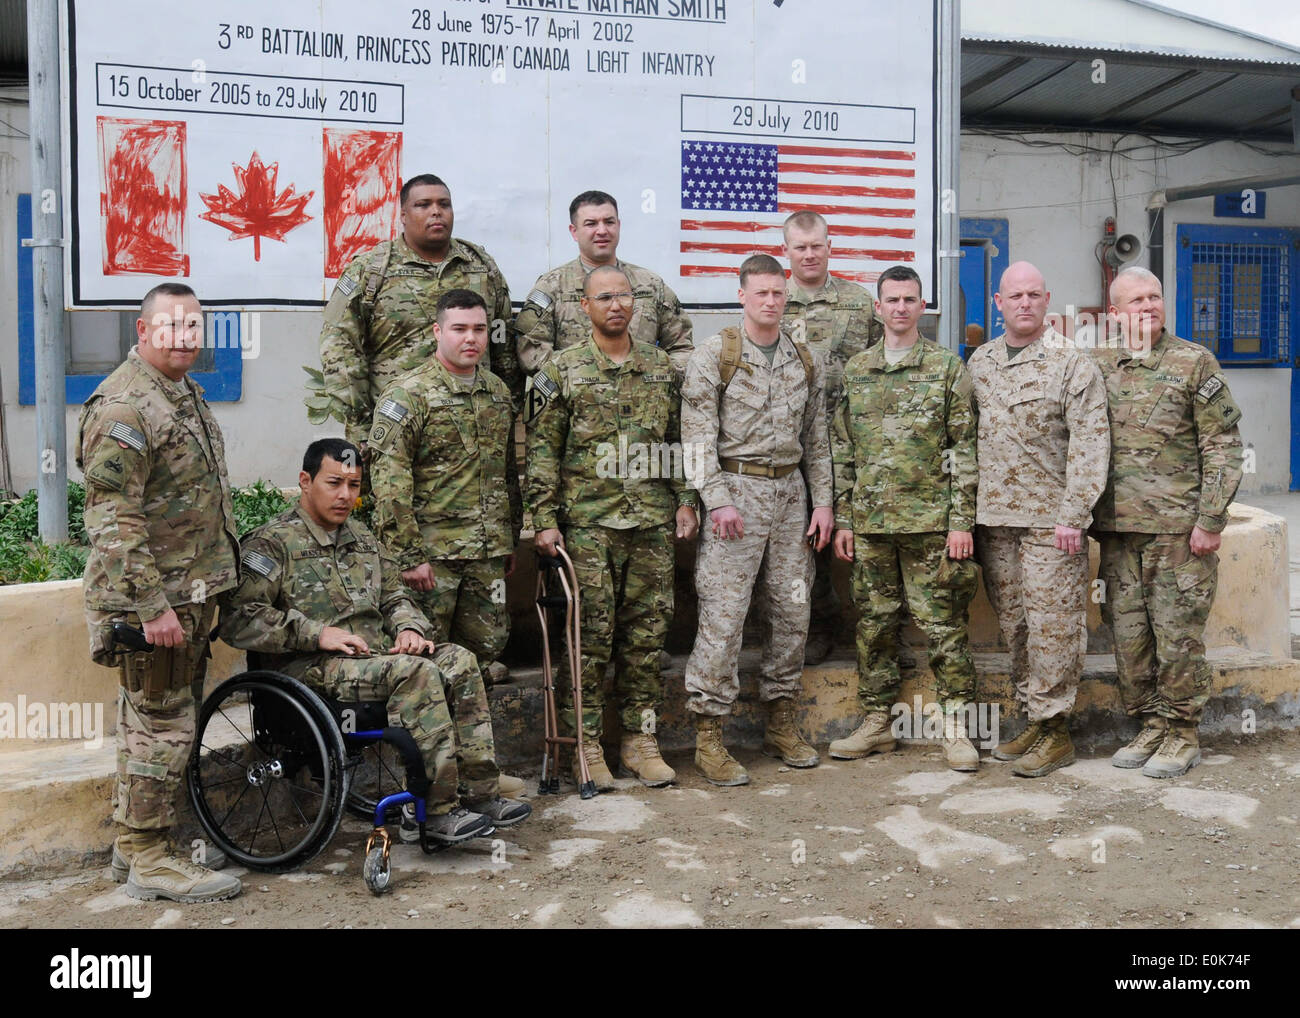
(376, 273)
(729, 359)
(805, 355)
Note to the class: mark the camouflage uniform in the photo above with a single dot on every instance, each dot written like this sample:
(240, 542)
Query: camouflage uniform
(1044, 446)
(162, 534)
(769, 416)
(838, 321)
(552, 318)
(903, 441)
(1175, 463)
(298, 579)
(445, 482)
(368, 339)
(618, 512)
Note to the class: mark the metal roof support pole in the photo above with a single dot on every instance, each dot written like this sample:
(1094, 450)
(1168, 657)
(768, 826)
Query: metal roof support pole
(47, 268)
(949, 141)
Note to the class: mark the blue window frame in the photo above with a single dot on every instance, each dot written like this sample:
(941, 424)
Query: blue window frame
(224, 383)
(1235, 288)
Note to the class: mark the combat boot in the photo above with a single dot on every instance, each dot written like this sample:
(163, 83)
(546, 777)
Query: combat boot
(1179, 752)
(783, 738)
(819, 646)
(124, 851)
(872, 736)
(596, 767)
(711, 756)
(154, 873)
(638, 753)
(509, 787)
(1051, 750)
(495, 674)
(1144, 744)
(1014, 749)
(959, 751)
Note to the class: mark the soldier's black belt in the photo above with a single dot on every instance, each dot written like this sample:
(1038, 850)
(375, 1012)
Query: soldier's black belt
(749, 469)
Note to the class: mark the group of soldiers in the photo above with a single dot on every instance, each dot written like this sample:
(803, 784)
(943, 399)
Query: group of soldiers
(822, 423)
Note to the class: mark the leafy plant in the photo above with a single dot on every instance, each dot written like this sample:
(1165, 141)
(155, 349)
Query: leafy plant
(257, 503)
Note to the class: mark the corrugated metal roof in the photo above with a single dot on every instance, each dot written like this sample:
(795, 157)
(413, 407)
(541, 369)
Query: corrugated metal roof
(1118, 26)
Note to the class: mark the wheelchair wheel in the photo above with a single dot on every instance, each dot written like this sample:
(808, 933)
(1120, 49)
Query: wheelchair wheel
(267, 775)
(377, 771)
(377, 871)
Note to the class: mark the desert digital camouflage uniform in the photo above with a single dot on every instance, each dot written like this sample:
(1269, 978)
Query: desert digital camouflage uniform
(769, 416)
(445, 483)
(1044, 449)
(903, 441)
(162, 534)
(839, 321)
(366, 342)
(604, 466)
(552, 318)
(299, 578)
(1175, 463)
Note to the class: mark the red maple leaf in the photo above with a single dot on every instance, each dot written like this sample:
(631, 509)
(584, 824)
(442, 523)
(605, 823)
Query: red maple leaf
(257, 211)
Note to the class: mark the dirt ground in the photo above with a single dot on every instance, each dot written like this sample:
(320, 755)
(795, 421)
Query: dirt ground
(895, 841)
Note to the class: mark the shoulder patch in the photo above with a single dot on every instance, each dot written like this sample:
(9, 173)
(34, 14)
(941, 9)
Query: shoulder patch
(393, 410)
(346, 286)
(261, 564)
(538, 298)
(127, 434)
(542, 383)
(1210, 387)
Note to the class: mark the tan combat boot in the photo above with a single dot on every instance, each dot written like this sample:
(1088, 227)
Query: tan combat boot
(959, 751)
(600, 775)
(1053, 749)
(509, 787)
(783, 738)
(711, 757)
(124, 849)
(155, 873)
(1014, 749)
(872, 736)
(1179, 752)
(638, 753)
(1144, 744)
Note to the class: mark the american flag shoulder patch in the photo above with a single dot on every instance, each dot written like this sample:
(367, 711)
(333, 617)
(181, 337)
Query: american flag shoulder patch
(539, 298)
(346, 286)
(393, 410)
(261, 564)
(125, 433)
(1210, 388)
(543, 384)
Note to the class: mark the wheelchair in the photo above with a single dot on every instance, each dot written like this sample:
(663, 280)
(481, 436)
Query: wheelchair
(274, 765)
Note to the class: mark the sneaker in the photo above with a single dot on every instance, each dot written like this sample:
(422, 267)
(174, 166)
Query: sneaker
(1179, 752)
(154, 873)
(1144, 744)
(502, 812)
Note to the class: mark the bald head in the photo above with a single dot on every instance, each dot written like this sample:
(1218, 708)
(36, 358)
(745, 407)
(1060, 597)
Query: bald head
(1022, 298)
(605, 278)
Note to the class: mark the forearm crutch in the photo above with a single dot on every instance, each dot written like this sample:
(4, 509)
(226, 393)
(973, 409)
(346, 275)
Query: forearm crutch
(552, 572)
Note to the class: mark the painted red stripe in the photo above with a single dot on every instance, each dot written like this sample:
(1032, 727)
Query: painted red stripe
(846, 190)
(860, 153)
(836, 231)
(858, 277)
(846, 210)
(710, 270)
(775, 250)
(846, 169)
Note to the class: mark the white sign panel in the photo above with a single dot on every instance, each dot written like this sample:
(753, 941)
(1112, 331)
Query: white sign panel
(252, 149)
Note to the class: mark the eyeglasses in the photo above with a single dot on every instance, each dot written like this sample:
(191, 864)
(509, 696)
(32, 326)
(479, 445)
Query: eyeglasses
(608, 298)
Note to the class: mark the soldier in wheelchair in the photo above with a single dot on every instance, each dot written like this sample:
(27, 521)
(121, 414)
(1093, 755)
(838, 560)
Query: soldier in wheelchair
(320, 600)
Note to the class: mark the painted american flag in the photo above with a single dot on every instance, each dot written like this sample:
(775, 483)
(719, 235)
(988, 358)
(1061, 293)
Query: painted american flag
(736, 195)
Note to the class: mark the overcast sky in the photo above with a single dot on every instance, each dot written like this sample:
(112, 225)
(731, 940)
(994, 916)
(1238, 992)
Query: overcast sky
(1273, 19)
